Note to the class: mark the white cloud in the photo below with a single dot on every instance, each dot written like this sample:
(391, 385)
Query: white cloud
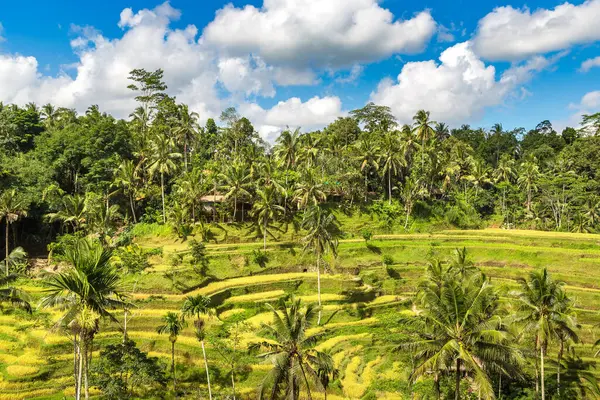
(588, 104)
(104, 64)
(352, 75)
(457, 89)
(511, 34)
(444, 35)
(315, 113)
(589, 64)
(2, 39)
(316, 33)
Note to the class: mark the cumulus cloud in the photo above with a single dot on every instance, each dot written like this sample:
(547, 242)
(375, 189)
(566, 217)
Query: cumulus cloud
(104, 64)
(311, 114)
(316, 33)
(589, 64)
(511, 34)
(457, 89)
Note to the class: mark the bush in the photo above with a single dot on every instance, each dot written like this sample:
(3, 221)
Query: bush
(260, 258)
(387, 213)
(57, 248)
(366, 234)
(133, 259)
(175, 259)
(387, 260)
(199, 257)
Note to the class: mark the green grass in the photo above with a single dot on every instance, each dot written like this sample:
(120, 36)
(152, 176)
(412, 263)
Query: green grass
(359, 338)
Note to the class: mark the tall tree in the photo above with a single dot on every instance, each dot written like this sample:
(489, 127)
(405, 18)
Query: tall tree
(12, 207)
(265, 209)
(172, 325)
(126, 178)
(323, 233)
(543, 312)
(86, 291)
(424, 130)
(196, 306)
(295, 360)
(392, 159)
(186, 129)
(162, 162)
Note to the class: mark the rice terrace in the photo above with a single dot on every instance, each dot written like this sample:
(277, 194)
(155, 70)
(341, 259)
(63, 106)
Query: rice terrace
(300, 200)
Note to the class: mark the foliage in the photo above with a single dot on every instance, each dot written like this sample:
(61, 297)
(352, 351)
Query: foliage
(123, 371)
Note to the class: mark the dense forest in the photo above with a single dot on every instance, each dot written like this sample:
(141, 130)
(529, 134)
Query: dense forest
(75, 186)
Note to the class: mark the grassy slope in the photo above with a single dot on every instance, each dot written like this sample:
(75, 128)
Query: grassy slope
(35, 363)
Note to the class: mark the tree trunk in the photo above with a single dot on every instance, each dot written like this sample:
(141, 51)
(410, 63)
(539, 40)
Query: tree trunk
(319, 287)
(6, 239)
(542, 372)
(500, 387)
(84, 355)
(234, 208)
(185, 156)
(560, 354)
(75, 365)
(389, 187)
(124, 325)
(366, 187)
(207, 374)
(173, 366)
(265, 236)
(457, 389)
(162, 190)
(436, 386)
(79, 372)
(132, 208)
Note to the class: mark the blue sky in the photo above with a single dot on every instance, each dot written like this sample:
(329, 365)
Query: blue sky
(305, 62)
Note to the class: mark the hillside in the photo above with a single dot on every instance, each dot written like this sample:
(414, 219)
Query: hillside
(362, 301)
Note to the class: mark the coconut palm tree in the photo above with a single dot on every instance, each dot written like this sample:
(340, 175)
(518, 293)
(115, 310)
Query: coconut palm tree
(162, 156)
(458, 327)
(392, 159)
(424, 130)
(505, 173)
(309, 190)
(191, 187)
(72, 212)
(186, 129)
(543, 312)
(297, 366)
(12, 207)
(172, 325)
(287, 147)
(367, 152)
(85, 291)
(323, 232)
(196, 306)
(528, 176)
(236, 181)
(126, 177)
(265, 209)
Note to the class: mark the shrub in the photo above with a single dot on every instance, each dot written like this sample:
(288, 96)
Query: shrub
(199, 257)
(175, 259)
(387, 260)
(132, 259)
(366, 234)
(260, 258)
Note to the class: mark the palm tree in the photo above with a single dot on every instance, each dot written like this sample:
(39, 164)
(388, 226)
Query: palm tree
(423, 128)
(72, 211)
(191, 186)
(49, 114)
(126, 177)
(367, 153)
(458, 326)
(296, 363)
(310, 190)
(161, 161)
(85, 291)
(172, 325)
(12, 207)
(236, 181)
(479, 176)
(187, 129)
(265, 209)
(392, 159)
(528, 177)
(322, 236)
(196, 306)
(543, 311)
(286, 148)
(505, 173)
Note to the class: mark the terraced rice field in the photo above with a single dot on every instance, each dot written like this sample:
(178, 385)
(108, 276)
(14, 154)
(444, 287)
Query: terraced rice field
(361, 304)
